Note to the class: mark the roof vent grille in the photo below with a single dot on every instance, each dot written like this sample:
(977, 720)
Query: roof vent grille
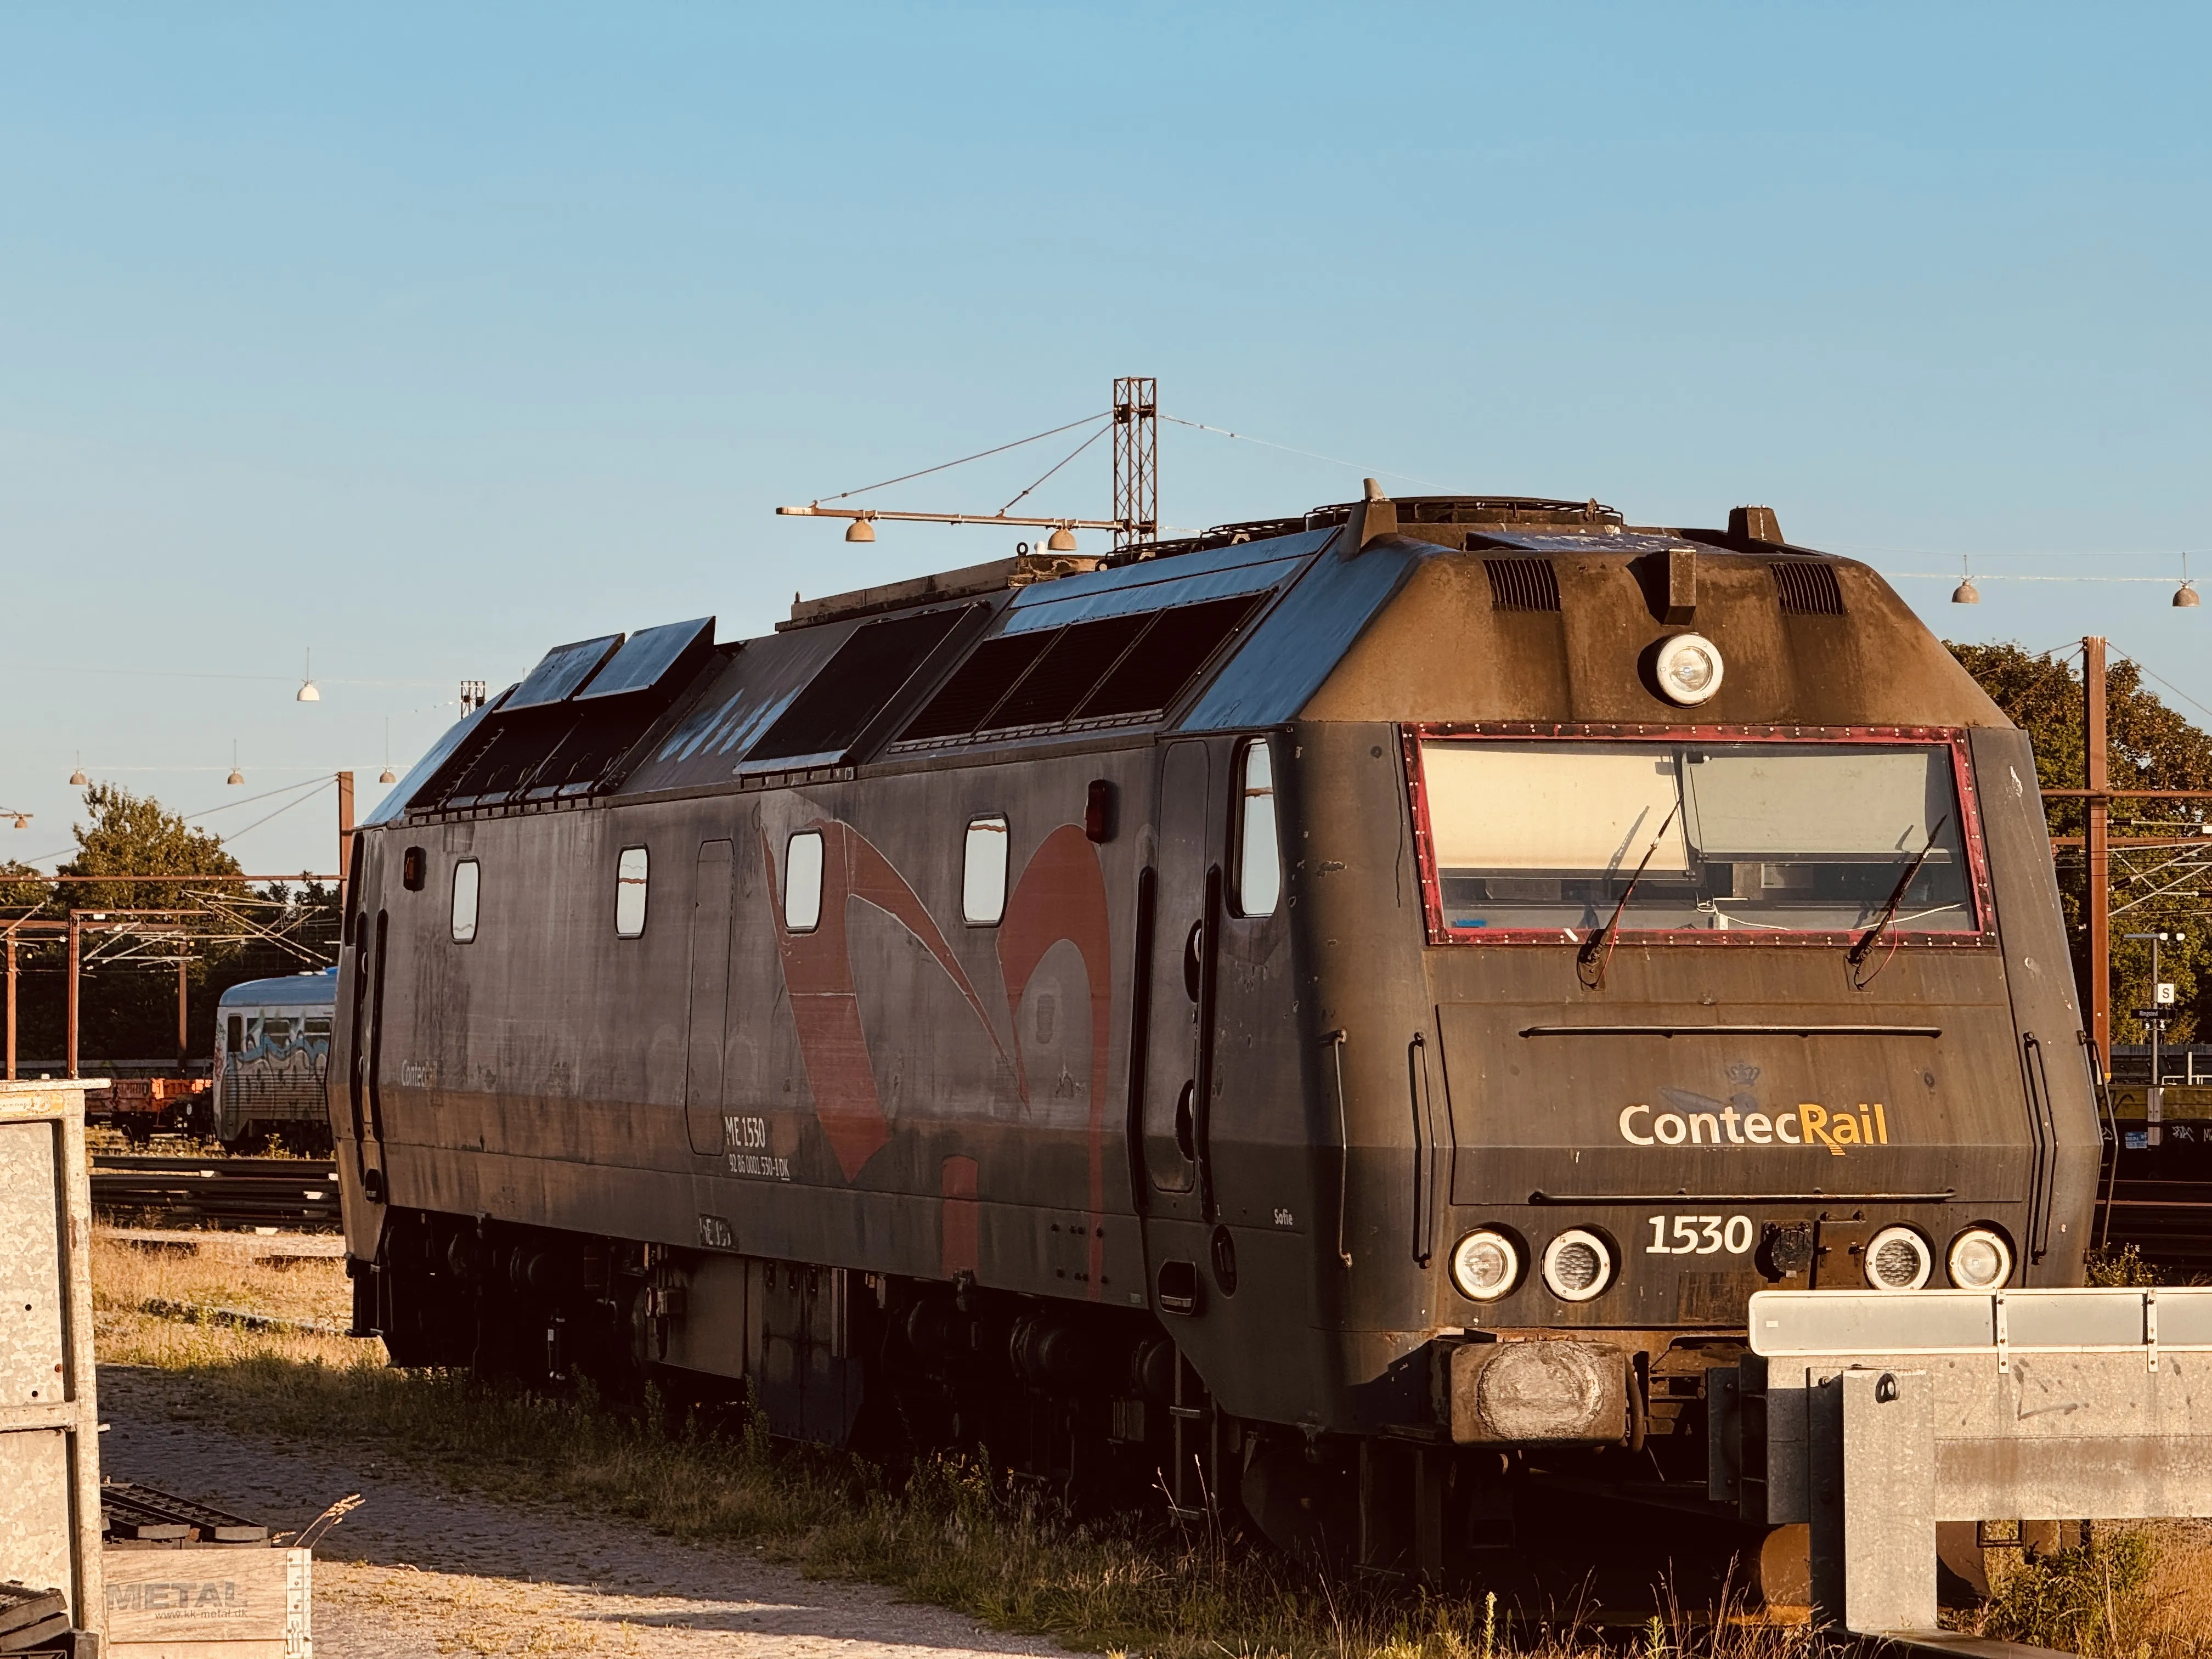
(1523, 585)
(1808, 589)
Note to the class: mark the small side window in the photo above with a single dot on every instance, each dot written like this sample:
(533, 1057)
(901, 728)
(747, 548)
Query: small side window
(314, 1027)
(1259, 856)
(275, 1031)
(234, 1034)
(413, 864)
(629, 893)
(802, 881)
(983, 872)
(465, 901)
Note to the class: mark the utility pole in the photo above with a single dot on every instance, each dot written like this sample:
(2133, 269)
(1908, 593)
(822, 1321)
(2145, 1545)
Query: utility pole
(1136, 459)
(346, 824)
(2099, 897)
(2097, 796)
(184, 1007)
(75, 940)
(11, 1004)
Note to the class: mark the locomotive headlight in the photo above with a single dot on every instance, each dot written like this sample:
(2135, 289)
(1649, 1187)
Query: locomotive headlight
(1688, 668)
(1897, 1259)
(1979, 1260)
(1578, 1264)
(1485, 1265)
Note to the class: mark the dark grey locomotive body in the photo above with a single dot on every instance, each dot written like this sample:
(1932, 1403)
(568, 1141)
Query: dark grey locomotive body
(1089, 1011)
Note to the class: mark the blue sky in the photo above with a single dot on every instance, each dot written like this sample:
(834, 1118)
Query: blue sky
(429, 337)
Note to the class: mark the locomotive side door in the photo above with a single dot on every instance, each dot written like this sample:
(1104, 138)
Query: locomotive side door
(708, 982)
(1178, 1042)
(365, 1057)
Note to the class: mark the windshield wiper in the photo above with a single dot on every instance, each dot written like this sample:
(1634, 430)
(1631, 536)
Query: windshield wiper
(1596, 941)
(1858, 953)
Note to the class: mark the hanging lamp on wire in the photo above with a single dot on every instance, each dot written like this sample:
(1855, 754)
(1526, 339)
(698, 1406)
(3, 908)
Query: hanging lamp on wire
(2184, 597)
(306, 693)
(860, 529)
(236, 777)
(77, 779)
(1062, 540)
(1966, 592)
(387, 775)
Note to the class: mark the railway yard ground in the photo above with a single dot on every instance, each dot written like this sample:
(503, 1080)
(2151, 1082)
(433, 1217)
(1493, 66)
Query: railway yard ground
(494, 1523)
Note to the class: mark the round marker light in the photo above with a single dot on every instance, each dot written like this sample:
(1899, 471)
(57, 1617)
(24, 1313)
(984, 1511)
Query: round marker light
(1578, 1265)
(1485, 1265)
(1897, 1259)
(1688, 668)
(1979, 1260)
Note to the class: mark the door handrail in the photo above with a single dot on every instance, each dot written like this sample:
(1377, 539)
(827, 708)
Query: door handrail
(1335, 1042)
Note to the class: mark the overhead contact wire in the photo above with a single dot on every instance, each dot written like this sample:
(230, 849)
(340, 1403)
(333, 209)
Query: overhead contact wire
(1288, 449)
(2162, 680)
(1064, 460)
(947, 465)
(278, 813)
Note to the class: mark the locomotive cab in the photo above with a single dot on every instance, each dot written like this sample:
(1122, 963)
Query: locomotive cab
(1714, 947)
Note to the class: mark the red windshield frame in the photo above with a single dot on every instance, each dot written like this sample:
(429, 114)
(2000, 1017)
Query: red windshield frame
(1984, 932)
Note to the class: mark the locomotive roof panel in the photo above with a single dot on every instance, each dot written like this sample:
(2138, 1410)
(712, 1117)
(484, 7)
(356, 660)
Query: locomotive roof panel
(1299, 643)
(1582, 541)
(394, 804)
(1255, 566)
(650, 657)
(562, 670)
(1567, 637)
(804, 696)
(1432, 610)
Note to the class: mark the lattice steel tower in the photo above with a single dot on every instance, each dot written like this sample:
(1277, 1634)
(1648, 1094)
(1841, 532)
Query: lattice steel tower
(1136, 459)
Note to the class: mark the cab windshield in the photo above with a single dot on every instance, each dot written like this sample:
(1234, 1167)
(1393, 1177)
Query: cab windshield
(1783, 837)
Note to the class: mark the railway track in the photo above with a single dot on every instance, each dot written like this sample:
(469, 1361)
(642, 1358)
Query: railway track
(2157, 1194)
(224, 1192)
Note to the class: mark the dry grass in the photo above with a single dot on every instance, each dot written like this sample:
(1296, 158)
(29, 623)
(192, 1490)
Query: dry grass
(2131, 1593)
(946, 1534)
(103, 1139)
(248, 1272)
(471, 1614)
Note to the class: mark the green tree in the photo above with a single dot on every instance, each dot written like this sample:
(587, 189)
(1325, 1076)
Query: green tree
(128, 988)
(134, 835)
(2154, 888)
(129, 985)
(18, 897)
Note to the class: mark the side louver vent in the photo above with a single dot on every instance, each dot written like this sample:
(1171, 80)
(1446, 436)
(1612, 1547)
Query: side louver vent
(1808, 589)
(1523, 585)
(1109, 669)
(564, 732)
(868, 673)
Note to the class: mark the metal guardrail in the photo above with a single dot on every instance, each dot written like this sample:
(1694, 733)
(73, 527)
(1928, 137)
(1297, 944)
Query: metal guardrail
(235, 1192)
(1874, 1415)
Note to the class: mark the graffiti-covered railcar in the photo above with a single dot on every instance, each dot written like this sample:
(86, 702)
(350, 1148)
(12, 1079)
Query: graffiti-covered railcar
(272, 1060)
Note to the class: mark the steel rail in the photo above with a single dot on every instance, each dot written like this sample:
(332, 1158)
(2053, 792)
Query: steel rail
(287, 1192)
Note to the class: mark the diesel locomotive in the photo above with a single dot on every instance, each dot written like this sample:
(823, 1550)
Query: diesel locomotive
(1334, 1017)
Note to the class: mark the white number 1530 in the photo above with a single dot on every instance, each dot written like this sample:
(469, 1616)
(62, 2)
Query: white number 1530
(1700, 1235)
